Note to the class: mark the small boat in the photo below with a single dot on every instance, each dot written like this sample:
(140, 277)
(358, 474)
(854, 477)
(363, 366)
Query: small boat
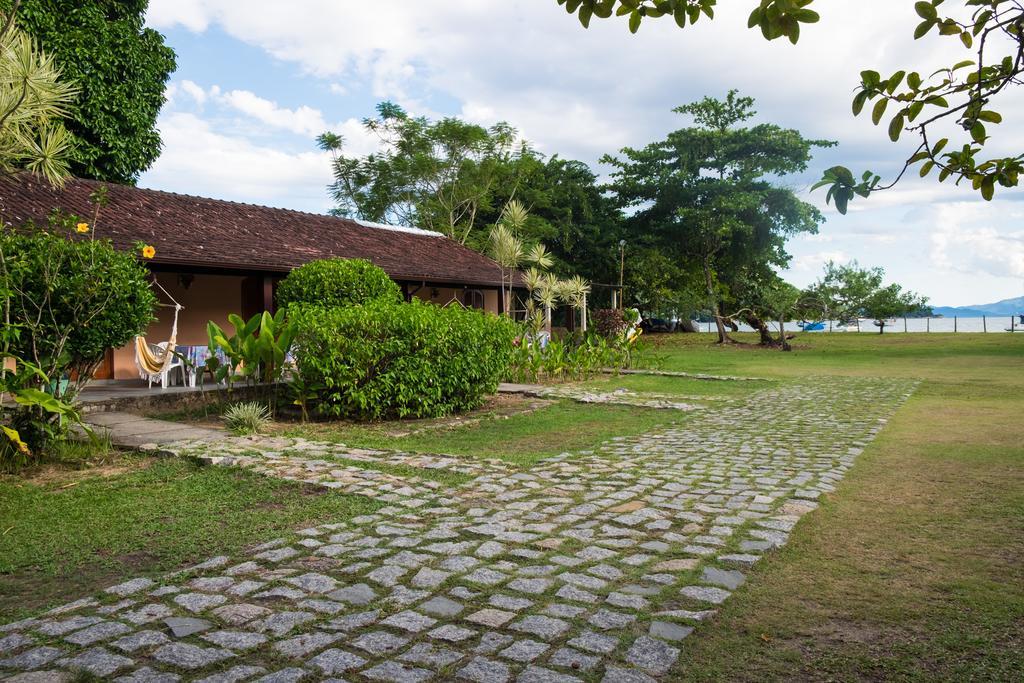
(811, 327)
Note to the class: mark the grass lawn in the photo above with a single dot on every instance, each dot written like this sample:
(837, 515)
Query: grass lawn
(521, 439)
(914, 568)
(67, 533)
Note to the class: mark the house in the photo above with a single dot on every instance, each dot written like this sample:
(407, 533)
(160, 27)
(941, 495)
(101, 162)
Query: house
(216, 257)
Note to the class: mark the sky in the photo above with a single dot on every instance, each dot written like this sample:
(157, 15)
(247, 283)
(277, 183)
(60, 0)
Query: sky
(257, 81)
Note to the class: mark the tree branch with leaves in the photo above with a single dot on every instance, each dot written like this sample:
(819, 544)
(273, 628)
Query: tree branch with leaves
(961, 96)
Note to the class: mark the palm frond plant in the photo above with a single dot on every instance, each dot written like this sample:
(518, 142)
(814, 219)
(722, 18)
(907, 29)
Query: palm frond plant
(247, 418)
(33, 100)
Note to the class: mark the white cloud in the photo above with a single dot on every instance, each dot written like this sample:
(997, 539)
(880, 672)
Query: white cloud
(194, 91)
(815, 263)
(966, 241)
(198, 160)
(301, 120)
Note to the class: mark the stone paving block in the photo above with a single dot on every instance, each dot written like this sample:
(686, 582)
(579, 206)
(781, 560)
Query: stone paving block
(410, 621)
(433, 656)
(536, 674)
(568, 658)
(234, 674)
(493, 618)
(666, 630)
(379, 643)
(481, 670)
(235, 640)
(98, 633)
(146, 674)
(98, 661)
(705, 594)
(188, 656)
(289, 675)
(140, 640)
(727, 578)
(13, 642)
(32, 659)
(395, 672)
(440, 606)
(336, 661)
(358, 594)
(305, 644)
(182, 627)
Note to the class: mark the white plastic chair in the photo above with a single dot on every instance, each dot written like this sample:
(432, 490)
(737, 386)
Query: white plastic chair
(164, 378)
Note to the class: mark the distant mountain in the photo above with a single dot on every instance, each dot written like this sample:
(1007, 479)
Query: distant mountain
(1004, 307)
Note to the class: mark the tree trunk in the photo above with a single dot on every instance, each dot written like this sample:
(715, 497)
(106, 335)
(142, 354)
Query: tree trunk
(782, 336)
(723, 338)
(687, 326)
(762, 329)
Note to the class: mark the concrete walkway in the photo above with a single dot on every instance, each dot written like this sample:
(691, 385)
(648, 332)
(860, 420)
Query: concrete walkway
(133, 431)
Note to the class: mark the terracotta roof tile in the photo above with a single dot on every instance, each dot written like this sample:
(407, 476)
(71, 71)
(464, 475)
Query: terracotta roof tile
(213, 233)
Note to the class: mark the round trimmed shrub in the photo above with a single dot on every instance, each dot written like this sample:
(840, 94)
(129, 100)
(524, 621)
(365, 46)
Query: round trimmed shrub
(337, 282)
(399, 360)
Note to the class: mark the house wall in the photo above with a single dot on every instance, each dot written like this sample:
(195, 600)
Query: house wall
(213, 297)
(446, 294)
(209, 297)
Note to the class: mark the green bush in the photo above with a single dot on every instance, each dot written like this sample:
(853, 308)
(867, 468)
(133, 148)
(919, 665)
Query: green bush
(93, 298)
(64, 302)
(337, 282)
(406, 360)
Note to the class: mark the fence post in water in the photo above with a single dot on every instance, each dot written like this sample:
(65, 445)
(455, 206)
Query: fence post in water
(984, 324)
(858, 324)
(928, 324)
(954, 324)
(904, 324)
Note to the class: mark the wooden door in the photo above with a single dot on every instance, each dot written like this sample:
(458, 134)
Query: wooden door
(106, 368)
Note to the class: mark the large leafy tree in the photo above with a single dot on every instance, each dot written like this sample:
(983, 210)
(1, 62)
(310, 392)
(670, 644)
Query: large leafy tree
(120, 68)
(437, 175)
(707, 194)
(964, 93)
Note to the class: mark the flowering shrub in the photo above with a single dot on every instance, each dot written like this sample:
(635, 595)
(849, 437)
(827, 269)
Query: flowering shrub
(64, 302)
(337, 282)
(398, 360)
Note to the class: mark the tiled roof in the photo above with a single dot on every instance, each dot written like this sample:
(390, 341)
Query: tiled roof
(213, 233)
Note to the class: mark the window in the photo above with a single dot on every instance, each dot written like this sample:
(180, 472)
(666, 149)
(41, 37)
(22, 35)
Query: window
(473, 298)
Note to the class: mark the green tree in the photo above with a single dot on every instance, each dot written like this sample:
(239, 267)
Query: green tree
(568, 212)
(706, 192)
(849, 291)
(120, 68)
(437, 175)
(34, 98)
(964, 92)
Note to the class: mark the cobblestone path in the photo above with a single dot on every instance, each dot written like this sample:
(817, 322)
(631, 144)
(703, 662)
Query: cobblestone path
(592, 566)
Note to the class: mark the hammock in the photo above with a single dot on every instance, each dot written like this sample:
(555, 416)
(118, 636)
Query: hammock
(155, 360)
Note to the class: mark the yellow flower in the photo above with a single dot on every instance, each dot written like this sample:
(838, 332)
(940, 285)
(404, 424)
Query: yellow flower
(148, 251)
(82, 227)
